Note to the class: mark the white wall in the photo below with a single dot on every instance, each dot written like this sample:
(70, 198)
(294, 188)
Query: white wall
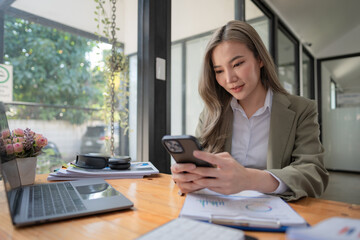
(65, 135)
(191, 17)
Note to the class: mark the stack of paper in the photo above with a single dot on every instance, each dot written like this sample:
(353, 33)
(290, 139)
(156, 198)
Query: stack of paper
(249, 210)
(137, 170)
(336, 228)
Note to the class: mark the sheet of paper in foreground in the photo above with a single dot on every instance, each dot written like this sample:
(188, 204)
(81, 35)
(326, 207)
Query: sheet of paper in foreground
(336, 228)
(247, 208)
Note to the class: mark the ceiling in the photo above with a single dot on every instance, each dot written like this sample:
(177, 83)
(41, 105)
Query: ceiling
(332, 28)
(329, 27)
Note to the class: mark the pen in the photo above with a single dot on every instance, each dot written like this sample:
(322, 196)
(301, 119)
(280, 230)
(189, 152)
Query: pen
(226, 220)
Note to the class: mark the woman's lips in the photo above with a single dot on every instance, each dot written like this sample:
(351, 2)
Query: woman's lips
(237, 88)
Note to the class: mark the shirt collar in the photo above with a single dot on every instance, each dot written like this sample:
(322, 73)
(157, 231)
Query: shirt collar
(268, 99)
(267, 104)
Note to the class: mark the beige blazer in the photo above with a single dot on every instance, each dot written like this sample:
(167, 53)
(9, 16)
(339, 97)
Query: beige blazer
(295, 154)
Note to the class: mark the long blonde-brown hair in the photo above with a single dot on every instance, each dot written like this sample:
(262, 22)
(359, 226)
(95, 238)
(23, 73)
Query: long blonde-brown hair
(216, 98)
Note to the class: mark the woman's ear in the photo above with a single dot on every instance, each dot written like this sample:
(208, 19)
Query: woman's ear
(261, 64)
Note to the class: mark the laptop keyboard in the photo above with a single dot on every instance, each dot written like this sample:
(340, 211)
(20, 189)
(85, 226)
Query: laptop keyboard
(51, 199)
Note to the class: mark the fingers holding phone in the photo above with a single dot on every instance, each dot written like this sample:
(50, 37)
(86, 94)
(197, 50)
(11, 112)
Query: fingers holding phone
(181, 148)
(182, 176)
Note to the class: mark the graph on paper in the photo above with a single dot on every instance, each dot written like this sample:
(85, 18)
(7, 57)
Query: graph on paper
(260, 206)
(213, 202)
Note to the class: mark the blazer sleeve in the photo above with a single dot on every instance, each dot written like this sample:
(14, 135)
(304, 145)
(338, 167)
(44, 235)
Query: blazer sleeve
(303, 171)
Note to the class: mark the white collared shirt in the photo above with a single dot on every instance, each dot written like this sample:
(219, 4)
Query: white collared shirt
(251, 136)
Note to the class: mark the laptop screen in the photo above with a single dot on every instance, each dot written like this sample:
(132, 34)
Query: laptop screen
(9, 169)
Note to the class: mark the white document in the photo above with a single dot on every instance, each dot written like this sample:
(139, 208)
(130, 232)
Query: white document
(336, 228)
(248, 208)
(182, 228)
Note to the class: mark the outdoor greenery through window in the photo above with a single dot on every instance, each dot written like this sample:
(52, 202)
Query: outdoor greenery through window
(57, 90)
(51, 67)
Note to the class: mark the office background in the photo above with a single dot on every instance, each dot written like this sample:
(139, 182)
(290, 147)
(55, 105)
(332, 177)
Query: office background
(314, 44)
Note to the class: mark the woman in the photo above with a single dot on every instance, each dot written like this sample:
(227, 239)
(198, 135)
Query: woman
(257, 135)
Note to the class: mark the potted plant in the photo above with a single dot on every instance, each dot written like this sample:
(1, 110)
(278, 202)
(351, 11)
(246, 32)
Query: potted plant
(26, 145)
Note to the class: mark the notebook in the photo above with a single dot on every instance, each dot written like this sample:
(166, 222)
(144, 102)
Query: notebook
(29, 205)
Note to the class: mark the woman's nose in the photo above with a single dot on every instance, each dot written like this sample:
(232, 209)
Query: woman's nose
(231, 76)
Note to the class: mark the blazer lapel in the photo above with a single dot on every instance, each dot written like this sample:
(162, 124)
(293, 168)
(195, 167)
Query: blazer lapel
(281, 122)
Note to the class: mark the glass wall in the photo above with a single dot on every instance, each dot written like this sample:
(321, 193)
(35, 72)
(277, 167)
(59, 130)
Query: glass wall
(287, 62)
(307, 76)
(133, 86)
(177, 89)
(340, 108)
(189, 42)
(61, 88)
(193, 103)
(258, 20)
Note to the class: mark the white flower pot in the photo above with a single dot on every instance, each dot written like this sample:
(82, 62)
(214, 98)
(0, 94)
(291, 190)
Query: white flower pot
(27, 170)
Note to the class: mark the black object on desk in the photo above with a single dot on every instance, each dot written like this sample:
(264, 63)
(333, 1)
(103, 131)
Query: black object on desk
(93, 161)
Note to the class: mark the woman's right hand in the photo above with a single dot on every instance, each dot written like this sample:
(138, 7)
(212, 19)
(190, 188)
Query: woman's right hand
(184, 179)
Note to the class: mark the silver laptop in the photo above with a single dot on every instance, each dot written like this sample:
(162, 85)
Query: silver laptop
(41, 203)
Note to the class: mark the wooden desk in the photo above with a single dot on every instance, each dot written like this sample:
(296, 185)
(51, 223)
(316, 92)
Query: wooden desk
(156, 202)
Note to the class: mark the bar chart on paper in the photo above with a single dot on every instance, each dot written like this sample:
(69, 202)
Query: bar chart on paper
(215, 202)
(247, 205)
(259, 206)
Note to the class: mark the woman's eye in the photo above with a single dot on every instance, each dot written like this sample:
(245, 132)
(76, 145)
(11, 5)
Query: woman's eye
(218, 71)
(238, 64)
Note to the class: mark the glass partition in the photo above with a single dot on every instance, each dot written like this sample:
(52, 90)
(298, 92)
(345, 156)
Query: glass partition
(340, 91)
(177, 89)
(286, 62)
(60, 87)
(191, 26)
(258, 20)
(307, 76)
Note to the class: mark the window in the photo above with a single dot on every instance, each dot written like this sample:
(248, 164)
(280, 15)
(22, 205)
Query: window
(177, 106)
(188, 45)
(258, 20)
(60, 88)
(332, 94)
(287, 61)
(308, 75)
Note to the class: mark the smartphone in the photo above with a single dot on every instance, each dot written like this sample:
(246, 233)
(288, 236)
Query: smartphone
(181, 148)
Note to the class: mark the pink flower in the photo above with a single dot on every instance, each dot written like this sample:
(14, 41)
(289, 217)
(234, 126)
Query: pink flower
(31, 133)
(18, 139)
(36, 136)
(41, 141)
(18, 132)
(18, 147)
(5, 133)
(24, 143)
(9, 149)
